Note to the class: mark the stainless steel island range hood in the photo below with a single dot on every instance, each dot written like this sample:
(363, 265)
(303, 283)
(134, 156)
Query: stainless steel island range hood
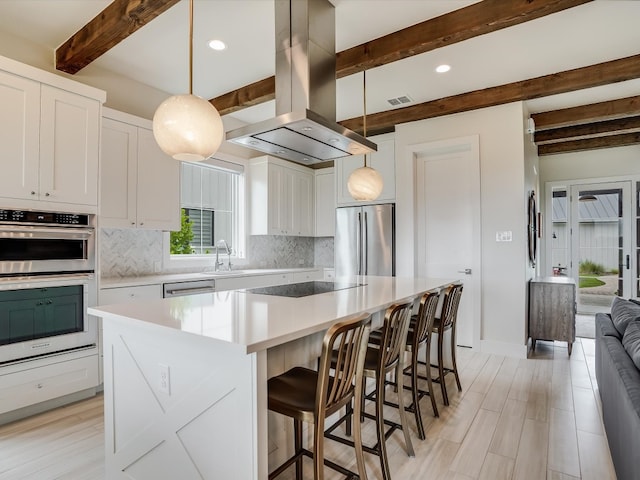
(304, 129)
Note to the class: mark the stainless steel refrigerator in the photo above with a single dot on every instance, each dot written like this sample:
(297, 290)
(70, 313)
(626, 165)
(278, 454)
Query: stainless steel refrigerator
(365, 240)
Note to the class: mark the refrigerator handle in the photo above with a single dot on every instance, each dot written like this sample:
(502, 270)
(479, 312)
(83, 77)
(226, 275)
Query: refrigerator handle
(359, 242)
(365, 244)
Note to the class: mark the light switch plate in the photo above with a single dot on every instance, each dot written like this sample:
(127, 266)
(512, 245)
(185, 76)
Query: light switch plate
(506, 236)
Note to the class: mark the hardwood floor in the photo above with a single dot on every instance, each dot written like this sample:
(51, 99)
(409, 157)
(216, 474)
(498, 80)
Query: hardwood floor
(530, 419)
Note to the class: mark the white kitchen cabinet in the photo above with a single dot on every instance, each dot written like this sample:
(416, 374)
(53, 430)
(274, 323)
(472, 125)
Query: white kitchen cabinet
(60, 377)
(52, 137)
(383, 161)
(303, 213)
(282, 198)
(325, 202)
(329, 274)
(19, 135)
(252, 281)
(108, 296)
(267, 280)
(69, 147)
(309, 276)
(139, 184)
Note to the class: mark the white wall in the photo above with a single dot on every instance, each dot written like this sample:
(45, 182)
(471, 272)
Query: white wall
(503, 207)
(607, 162)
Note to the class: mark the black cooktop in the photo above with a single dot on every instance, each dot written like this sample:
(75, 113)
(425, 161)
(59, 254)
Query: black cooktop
(304, 289)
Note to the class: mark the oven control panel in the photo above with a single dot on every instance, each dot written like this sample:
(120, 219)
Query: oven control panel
(51, 218)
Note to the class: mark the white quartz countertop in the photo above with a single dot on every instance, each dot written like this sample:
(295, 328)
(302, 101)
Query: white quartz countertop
(257, 322)
(116, 282)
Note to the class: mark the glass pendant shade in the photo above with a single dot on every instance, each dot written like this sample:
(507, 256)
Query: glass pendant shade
(365, 183)
(188, 128)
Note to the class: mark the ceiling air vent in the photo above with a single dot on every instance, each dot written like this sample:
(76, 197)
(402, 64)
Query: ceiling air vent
(400, 100)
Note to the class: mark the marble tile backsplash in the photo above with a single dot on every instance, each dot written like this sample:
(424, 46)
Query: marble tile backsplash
(279, 251)
(129, 252)
(135, 252)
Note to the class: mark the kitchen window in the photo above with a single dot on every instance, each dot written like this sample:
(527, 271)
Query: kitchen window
(211, 198)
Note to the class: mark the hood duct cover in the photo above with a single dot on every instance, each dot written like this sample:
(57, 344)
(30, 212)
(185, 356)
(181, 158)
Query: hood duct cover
(304, 129)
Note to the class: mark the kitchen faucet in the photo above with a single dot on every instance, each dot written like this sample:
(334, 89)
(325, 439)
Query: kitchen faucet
(218, 263)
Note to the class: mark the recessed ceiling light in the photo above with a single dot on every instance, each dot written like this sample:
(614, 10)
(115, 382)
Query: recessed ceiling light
(217, 44)
(443, 68)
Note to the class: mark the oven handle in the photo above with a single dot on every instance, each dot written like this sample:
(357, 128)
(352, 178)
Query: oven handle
(39, 232)
(19, 282)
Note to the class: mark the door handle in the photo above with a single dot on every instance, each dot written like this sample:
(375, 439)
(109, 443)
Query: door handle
(627, 262)
(466, 271)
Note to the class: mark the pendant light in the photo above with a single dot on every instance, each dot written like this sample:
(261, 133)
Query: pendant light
(188, 127)
(365, 183)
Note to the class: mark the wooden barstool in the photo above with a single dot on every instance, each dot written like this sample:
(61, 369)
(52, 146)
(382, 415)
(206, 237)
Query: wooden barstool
(309, 396)
(419, 336)
(447, 321)
(381, 360)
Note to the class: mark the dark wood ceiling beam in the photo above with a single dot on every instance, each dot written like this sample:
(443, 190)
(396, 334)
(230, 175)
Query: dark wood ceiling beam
(115, 23)
(258, 92)
(462, 24)
(622, 107)
(589, 144)
(588, 130)
(570, 80)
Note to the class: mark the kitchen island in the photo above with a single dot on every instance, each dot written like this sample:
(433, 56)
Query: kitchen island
(186, 377)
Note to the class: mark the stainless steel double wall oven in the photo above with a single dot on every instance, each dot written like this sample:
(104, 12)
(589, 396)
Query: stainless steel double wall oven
(47, 280)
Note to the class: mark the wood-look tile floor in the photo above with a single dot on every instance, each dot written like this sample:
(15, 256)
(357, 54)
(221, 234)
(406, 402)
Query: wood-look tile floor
(530, 419)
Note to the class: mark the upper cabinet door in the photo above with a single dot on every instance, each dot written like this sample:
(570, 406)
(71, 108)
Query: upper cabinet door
(303, 205)
(325, 192)
(19, 136)
(118, 174)
(276, 196)
(158, 185)
(69, 147)
(282, 198)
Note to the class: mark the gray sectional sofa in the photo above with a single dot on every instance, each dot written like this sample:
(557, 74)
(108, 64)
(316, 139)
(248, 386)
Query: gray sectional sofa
(618, 376)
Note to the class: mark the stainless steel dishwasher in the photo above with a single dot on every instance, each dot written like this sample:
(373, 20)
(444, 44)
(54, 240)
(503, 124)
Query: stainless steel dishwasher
(189, 287)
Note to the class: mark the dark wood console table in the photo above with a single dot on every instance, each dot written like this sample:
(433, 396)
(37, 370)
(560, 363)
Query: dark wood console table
(552, 310)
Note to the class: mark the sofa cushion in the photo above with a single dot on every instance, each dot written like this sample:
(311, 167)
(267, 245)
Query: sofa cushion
(604, 326)
(631, 342)
(623, 312)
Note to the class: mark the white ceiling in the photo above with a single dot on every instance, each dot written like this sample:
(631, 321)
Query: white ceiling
(157, 54)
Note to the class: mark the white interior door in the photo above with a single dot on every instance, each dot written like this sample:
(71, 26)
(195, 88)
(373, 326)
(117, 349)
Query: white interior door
(448, 223)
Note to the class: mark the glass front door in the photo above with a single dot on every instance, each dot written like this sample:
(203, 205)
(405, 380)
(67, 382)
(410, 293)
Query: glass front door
(600, 244)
